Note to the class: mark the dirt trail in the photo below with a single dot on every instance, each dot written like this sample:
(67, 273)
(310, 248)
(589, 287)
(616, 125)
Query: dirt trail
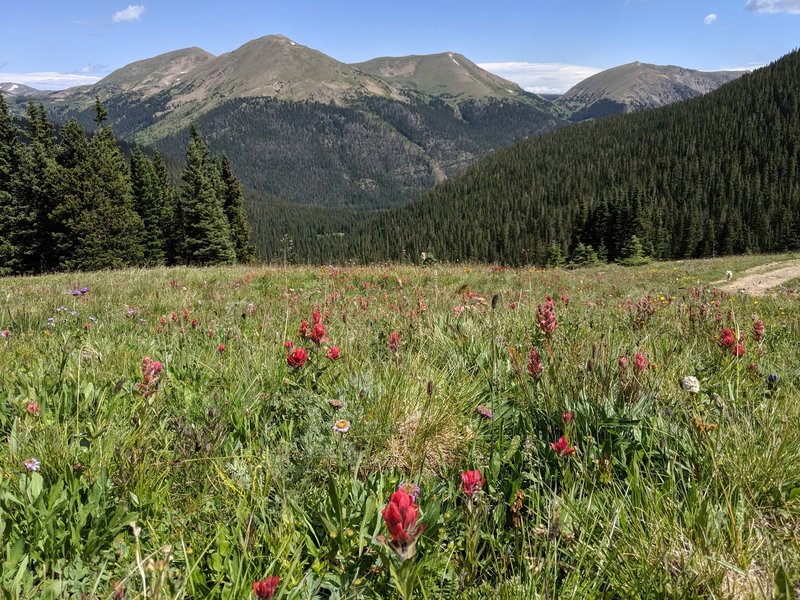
(764, 278)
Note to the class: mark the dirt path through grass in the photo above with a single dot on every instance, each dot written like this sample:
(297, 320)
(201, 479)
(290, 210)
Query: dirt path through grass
(764, 278)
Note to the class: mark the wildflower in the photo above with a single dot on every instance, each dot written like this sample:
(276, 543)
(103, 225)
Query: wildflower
(195, 323)
(341, 426)
(185, 312)
(562, 447)
(87, 326)
(726, 338)
(335, 403)
(690, 384)
(394, 341)
(484, 411)
(472, 482)
(32, 408)
(546, 317)
(702, 425)
(622, 361)
(6, 333)
(221, 348)
(318, 333)
(297, 357)
(758, 330)
(32, 464)
(639, 362)
(132, 311)
(266, 588)
(288, 344)
(316, 317)
(738, 350)
(772, 378)
(535, 366)
(305, 329)
(400, 516)
(568, 416)
(410, 488)
(174, 316)
(334, 353)
(84, 290)
(75, 292)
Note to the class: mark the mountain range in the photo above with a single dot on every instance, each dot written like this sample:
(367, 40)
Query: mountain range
(311, 130)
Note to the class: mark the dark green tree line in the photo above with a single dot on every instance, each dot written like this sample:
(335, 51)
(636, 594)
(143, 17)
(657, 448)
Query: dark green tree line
(70, 201)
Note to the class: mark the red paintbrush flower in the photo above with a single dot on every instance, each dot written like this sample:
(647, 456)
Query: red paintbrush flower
(334, 353)
(546, 317)
(400, 516)
(472, 482)
(726, 338)
(562, 447)
(394, 341)
(297, 357)
(266, 588)
(535, 367)
(318, 333)
(639, 362)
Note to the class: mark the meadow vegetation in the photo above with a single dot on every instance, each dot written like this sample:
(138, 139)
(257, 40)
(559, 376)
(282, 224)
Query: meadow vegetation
(399, 431)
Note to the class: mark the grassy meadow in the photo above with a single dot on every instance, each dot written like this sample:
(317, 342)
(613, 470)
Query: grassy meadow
(157, 442)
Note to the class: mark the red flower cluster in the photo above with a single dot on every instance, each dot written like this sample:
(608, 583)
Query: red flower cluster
(639, 362)
(546, 317)
(151, 371)
(727, 338)
(297, 357)
(535, 367)
(334, 353)
(759, 330)
(562, 447)
(472, 482)
(622, 361)
(401, 517)
(266, 588)
(394, 341)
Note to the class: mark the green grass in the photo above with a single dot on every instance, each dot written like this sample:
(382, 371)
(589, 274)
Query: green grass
(231, 470)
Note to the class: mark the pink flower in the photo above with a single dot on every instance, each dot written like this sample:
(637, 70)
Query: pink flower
(5, 333)
(221, 348)
(305, 329)
(535, 366)
(334, 353)
(738, 350)
(394, 341)
(639, 362)
(195, 323)
(297, 357)
(316, 317)
(472, 482)
(562, 447)
(32, 408)
(266, 588)
(546, 317)
(288, 344)
(622, 361)
(568, 416)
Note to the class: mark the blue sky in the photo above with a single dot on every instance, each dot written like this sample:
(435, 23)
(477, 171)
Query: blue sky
(544, 45)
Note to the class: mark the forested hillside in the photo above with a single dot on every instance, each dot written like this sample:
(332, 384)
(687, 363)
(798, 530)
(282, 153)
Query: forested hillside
(717, 174)
(70, 201)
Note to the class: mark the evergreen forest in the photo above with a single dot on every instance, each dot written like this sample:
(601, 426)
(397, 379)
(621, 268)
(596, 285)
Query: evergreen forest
(717, 174)
(71, 201)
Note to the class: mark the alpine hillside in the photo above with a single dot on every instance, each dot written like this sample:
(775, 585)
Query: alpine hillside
(309, 129)
(637, 86)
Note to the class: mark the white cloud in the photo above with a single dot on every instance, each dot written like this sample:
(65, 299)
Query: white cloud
(134, 12)
(541, 78)
(49, 80)
(710, 19)
(774, 6)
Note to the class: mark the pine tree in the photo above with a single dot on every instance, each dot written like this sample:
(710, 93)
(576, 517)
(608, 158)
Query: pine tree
(206, 236)
(10, 162)
(233, 206)
(148, 202)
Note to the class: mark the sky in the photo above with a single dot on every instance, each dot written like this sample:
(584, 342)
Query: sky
(546, 46)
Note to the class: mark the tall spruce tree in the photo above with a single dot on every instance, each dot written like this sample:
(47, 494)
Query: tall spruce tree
(11, 244)
(233, 205)
(207, 239)
(148, 202)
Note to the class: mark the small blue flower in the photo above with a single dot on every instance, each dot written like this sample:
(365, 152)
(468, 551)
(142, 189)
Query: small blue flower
(772, 378)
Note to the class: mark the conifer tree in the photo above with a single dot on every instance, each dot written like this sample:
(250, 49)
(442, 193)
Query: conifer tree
(233, 206)
(148, 202)
(206, 236)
